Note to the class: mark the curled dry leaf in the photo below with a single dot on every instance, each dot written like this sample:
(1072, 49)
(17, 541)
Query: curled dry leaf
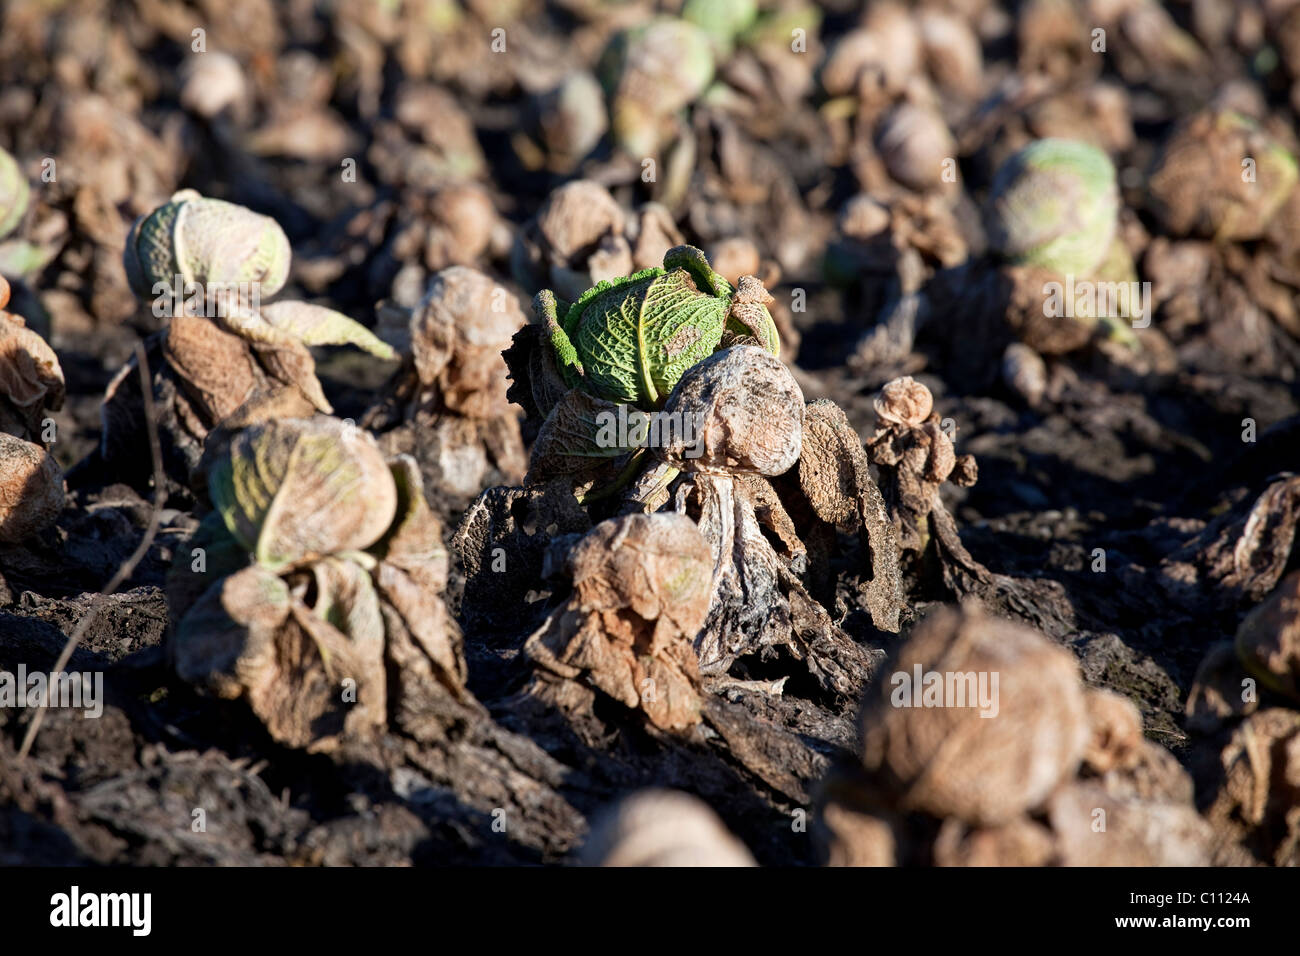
(569, 441)
(1116, 731)
(448, 405)
(1135, 832)
(309, 647)
(306, 324)
(1241, 555)
(758, 600)
(31, 488)
(904, 401)
(949, 759)
(576, 240)
(641, 593)
(662, 828)
(746, 411)
(462, 224)
(835, 477)
(218, 370)
(250, 636)
(516, 526)
(915, 456)
(296, 489)
(1025, 785)
(458, 332)
(31, 381)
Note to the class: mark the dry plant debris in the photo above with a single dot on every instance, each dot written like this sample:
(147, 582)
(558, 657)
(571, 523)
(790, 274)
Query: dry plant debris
(795, 269)
(984, 727)
(338, 571)
(447, 405)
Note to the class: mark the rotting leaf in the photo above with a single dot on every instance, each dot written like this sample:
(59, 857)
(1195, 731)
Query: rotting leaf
(746, 415)
(951, 760)
(640, 595)
(31, 488)
(915, 456)
(31, 380)
(959, 771)
(835, 477)
(305, 323)
(447, 406)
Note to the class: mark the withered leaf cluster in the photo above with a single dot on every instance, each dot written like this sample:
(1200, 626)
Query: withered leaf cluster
(31, 387)
(447, 405)
(344, 584)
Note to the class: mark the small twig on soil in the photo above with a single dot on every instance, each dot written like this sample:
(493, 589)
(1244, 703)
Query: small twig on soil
(128, 567)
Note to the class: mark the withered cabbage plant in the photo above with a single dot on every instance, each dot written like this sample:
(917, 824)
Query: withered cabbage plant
(318, 574)
(446, 406)
(764, 481)
(205, 266)
(982, 747)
